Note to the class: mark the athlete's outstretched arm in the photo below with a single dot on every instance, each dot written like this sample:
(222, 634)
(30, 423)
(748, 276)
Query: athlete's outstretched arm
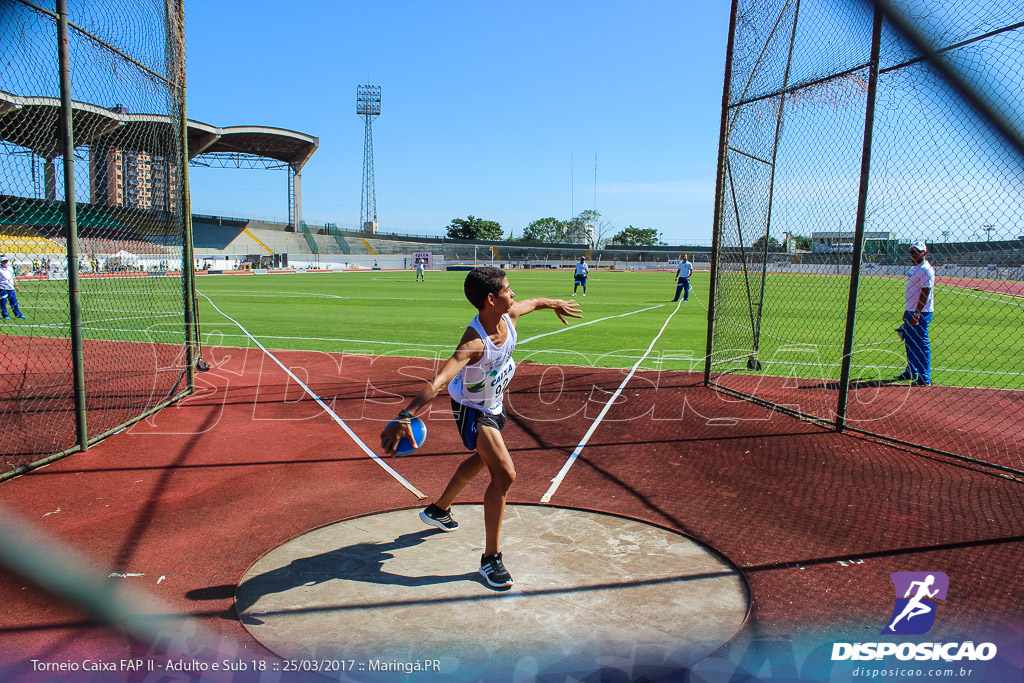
(561, 308)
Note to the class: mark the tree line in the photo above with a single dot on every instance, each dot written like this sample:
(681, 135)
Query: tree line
(578, 231)
(587, 228)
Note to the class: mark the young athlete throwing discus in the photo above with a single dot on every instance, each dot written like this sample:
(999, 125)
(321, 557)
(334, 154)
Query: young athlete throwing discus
(477, 375)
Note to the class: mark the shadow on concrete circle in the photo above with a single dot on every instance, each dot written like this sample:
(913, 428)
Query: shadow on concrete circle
(381, 594)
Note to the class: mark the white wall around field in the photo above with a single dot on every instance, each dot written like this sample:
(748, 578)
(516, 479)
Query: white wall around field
(869, 269)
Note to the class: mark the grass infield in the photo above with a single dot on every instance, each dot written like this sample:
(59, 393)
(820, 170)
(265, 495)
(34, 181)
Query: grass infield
(975, 334)
(388, 312)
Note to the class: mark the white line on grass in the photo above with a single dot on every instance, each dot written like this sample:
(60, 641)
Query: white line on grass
(542, 352)
(959, 290)
(324, 295)
(785, 363)
(332, 339)
(589, 322)
(401, 480)
(97, 321)
(89, 309)
(557, 481)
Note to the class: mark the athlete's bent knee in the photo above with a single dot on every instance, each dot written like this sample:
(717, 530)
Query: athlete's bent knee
(503, 477)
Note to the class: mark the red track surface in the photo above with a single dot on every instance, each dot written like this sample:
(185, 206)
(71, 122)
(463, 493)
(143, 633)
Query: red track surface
(1011, 287)
(994, 433)
(124, 379)
(816, 520)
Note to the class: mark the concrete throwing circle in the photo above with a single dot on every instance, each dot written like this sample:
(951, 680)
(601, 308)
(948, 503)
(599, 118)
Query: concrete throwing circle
(371, 596)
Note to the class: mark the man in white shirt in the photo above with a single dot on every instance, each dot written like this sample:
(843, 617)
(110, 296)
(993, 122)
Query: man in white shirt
(917, 315)
(580, 279)
(683, 278)
(8, 289)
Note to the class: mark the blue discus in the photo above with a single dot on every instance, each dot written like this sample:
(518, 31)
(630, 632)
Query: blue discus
(419, 430)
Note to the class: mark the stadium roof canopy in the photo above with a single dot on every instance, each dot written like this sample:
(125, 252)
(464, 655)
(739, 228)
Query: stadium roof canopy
(34, 123)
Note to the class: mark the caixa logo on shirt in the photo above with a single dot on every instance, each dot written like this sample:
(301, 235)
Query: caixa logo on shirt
(501, 380)
(917, 598)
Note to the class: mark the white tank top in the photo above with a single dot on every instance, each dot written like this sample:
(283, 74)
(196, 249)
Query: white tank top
(481, 385)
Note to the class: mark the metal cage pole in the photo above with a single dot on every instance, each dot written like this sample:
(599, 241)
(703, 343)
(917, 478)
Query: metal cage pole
(755, 363)
(187, 255)
(71, 225)
(716, 237)
(858, 235)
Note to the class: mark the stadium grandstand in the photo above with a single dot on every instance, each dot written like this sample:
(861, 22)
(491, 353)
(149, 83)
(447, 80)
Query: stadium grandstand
(32, 231)
(126, 222)
(241, 243)
(235, 242)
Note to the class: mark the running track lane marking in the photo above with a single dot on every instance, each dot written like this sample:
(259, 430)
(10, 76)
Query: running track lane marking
(557, 481)
(401, 480)
(589, 322)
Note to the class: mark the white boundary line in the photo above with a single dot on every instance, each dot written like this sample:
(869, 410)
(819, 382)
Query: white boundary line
(960, 290)
(589, 322)
(401, 480)
(557, 481)
(306, 295)
(333, 339)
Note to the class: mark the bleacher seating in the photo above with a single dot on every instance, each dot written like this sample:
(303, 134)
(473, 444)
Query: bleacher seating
(328, 245)
(36, 227)
(389, 247)
(281, 242)
(20, 239)
(214, 233)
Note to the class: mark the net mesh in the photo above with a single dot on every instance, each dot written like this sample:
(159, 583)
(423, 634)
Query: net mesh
(940, 172)
(125, 74)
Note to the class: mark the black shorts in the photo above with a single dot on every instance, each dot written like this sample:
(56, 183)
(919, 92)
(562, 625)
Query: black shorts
(467, 419)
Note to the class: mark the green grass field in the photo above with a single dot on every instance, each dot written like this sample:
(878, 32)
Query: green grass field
(976, 336)
(388, 312)
(123, 309)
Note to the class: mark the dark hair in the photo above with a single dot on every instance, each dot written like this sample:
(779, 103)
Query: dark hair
(483, 281)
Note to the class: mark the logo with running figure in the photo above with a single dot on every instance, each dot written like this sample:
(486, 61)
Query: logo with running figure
(916, 596)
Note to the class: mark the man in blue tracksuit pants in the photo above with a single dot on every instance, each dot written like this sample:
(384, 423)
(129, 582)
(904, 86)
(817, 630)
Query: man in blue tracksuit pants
(683, 279)
(917, 315)
(8, 289)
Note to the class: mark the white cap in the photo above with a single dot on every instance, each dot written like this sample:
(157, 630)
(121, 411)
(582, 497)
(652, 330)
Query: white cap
(4, 258)
(919, 245)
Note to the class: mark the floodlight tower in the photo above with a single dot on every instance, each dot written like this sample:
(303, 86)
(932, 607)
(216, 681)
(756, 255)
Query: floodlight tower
(368, 106)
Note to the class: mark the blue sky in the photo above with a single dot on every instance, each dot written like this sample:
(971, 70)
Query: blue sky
(495, 109)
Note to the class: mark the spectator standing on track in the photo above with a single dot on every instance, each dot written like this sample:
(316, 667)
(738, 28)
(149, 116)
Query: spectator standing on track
(917, 316)
(419, 270)
(8, 289)
(580, 279)
(683, 278)
(477, 375)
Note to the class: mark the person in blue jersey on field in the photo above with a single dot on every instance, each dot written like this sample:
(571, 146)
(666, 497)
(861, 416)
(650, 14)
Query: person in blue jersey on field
(917, 316)
(683, 273)
(580, 278)
(477, 376)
